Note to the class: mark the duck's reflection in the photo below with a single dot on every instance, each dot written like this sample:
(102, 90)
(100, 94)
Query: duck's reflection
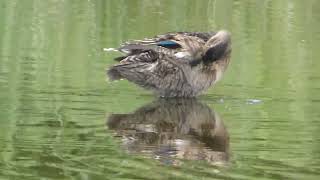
(173, 129)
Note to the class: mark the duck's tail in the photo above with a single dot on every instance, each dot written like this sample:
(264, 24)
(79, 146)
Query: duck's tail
(115, 121)
(113, 74)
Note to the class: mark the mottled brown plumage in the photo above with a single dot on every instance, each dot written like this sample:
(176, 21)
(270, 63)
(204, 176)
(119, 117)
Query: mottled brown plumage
(182, 64)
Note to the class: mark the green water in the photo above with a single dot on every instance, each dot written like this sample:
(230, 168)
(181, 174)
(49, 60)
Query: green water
(61, 119)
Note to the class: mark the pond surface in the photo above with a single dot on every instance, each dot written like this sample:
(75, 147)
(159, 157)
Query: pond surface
(61, 119)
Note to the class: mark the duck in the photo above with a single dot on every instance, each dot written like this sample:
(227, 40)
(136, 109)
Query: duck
(176, 64)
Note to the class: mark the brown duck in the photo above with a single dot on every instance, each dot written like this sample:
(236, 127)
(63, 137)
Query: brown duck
(182, 64)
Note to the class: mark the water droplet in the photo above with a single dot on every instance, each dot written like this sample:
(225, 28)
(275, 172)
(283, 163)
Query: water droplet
(253, 101)
(109, 49)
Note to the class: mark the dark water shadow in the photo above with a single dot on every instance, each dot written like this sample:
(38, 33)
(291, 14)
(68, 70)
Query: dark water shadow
(169, 130)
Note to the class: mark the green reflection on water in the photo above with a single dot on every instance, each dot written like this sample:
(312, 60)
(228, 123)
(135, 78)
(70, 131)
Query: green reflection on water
(54, 98)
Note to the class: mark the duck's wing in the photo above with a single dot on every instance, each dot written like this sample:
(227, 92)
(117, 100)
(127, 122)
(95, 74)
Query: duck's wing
(205, 36)
(183, 45)
(173, 40)
(142, 53)
(136, 46)
(152, 70)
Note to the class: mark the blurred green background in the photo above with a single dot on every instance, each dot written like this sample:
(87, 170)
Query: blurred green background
(55, 99)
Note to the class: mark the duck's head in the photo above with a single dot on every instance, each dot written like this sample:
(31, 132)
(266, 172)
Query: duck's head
(218, 47)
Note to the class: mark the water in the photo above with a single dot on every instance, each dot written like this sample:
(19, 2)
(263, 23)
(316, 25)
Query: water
(61, 119)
